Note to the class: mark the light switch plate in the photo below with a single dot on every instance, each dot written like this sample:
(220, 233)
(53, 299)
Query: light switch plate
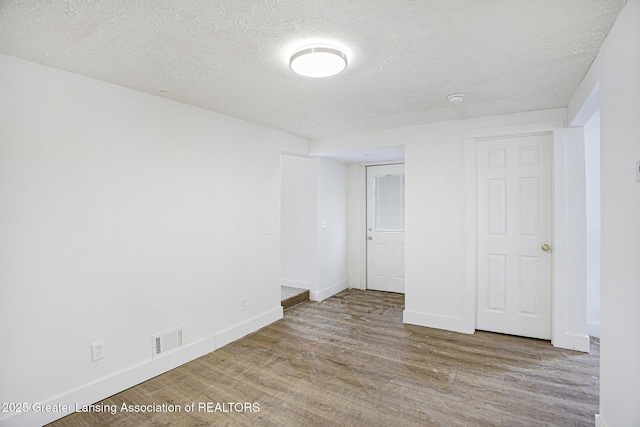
(638, 171)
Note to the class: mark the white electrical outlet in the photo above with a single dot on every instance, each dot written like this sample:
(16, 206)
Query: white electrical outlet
(638, 171)
(97, 351)
(243, 304)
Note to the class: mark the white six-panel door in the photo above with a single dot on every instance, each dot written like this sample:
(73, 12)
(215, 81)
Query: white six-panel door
(385, 228)
(514, 235)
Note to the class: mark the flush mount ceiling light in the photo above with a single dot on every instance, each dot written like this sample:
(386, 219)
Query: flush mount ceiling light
(456, 98)
(320, 61)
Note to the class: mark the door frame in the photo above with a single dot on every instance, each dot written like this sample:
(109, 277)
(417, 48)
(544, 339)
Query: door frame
(561, 335)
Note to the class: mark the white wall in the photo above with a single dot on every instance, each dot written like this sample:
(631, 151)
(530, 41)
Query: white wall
(435, 228)
(332, 228)
(356, 226)
(437, 249)
(314, 225)
(616, 71)
(123, 215)
(592, 184)
(299, 222)
(575, 270)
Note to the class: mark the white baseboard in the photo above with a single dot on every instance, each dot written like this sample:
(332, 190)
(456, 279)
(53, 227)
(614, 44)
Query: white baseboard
(295, 284)
(120, 381)
(593, 329)
(355, 284)
(599, 421)
(449, 323)
(458, 324)
(573, 342)
(328, 291)
(245, 328)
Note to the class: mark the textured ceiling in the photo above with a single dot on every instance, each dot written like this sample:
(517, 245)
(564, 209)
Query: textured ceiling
(405, 56)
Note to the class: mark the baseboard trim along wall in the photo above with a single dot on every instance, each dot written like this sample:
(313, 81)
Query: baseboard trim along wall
(599, 421)
(450, 323)
(328, 291)
(573, 342)
(355, 284)
(245, 328)
(113, 384)
(295, 284)
(593, 329)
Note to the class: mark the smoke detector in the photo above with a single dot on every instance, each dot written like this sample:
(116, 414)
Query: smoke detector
(456, 98)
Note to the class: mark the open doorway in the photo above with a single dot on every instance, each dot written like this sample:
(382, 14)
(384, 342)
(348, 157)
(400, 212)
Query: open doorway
(357, 161)
(313, 225)
(298, 228)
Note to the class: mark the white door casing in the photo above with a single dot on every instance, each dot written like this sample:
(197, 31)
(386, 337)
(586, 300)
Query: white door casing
(514, 223)
(385, 228)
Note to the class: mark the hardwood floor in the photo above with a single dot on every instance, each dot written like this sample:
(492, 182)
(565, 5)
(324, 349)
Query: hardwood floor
(349, 361)
(290, 297)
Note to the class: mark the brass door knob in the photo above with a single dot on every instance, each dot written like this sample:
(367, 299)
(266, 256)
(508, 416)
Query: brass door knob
(546, 247)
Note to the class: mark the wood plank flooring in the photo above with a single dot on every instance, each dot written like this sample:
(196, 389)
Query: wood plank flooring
(290, 297)
(350, 361)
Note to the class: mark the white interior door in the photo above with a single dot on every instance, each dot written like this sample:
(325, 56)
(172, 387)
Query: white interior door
(514, 235)
(385, 228)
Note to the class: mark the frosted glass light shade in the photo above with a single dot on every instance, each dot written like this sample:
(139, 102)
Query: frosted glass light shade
(318, 62)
